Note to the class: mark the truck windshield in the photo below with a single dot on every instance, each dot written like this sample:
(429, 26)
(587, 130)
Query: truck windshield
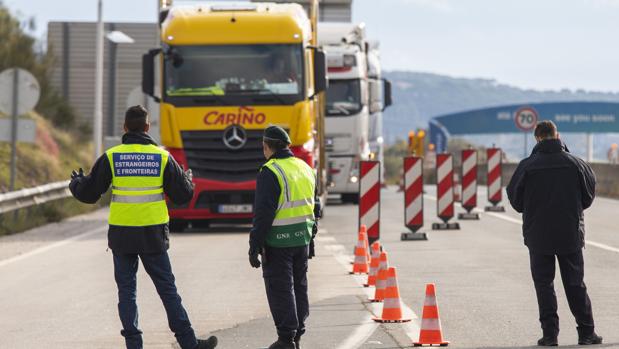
(343, 97)
(224, 71)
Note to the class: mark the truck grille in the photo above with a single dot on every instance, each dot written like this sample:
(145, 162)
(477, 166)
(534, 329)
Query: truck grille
(210, 158)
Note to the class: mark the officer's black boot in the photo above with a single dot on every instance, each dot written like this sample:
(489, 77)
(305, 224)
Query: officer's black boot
(209, 343)
(297, 343)
(589, 339)
(548, 341)
(283, 343)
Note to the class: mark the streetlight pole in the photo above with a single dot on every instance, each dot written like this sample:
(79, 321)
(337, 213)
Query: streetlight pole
(98, 112)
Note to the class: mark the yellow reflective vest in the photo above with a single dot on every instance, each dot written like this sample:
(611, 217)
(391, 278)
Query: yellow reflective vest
(137, 185)
(294, 218)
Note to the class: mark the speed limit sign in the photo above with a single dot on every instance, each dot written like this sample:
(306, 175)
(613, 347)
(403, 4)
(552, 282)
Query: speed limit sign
(526, 118)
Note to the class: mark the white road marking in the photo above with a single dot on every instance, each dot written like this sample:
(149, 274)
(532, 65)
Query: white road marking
(367, 327)
(519, 222)
(51, 246)
(602, 246)
(360, 335)
(320, 238)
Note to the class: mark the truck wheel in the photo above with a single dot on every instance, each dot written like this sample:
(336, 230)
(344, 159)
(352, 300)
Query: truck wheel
(350, 198)
(178, 225)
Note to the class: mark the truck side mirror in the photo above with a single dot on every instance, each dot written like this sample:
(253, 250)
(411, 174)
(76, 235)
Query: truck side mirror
(320, 71)
(148, 72)
(387, 91)
(376, 95)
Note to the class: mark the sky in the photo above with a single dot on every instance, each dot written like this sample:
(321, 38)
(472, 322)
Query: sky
(540, 44)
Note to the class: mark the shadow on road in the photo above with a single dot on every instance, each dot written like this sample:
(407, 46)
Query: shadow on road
(574, 346)
(217, 229)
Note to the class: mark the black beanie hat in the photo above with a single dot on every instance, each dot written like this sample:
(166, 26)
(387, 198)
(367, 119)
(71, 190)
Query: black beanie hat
(276, 133)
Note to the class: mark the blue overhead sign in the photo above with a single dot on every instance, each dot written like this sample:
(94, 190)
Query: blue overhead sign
(580, 117)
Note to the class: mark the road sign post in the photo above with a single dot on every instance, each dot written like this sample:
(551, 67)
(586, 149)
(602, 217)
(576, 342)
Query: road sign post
(14, 130)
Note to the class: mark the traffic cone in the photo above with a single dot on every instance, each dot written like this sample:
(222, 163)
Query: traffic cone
(364, 230)
(392, 305)
(360, 265)
(381, 279)
(374, 264)
(431, 333)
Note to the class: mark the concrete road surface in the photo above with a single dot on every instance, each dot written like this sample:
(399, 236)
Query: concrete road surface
(58, 291)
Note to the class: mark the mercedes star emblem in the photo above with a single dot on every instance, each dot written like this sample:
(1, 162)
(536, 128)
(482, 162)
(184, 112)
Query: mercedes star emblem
(235, 137)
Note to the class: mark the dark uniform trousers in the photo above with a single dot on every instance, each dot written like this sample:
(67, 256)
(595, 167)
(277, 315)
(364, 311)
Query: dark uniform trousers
(285, 279)
(572, 275)
(160, 271)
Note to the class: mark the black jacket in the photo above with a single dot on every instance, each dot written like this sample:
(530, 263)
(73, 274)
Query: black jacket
(265, 204)
(552, 188)
(150, 239)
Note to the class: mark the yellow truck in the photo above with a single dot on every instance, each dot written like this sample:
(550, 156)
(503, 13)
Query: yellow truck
(225, 72)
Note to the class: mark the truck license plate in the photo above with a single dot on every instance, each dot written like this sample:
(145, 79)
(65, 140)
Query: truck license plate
(235, 208)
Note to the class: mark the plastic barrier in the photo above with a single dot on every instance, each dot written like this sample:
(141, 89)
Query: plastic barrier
(495, 182)
(369, 198)
(413, 198)
(469, 184)
(444, 192)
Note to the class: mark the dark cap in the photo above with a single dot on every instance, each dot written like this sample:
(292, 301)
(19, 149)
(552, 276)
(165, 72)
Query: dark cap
(276, 133)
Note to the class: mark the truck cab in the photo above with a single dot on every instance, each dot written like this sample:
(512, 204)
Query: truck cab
(347, 110)
(225, 72)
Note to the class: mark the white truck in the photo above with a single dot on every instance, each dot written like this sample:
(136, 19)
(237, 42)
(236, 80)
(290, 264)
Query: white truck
(351, 97)
(380, 99)
(347, 105)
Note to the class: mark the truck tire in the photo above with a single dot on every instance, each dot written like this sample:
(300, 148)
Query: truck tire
(350, 198)
(178, 225)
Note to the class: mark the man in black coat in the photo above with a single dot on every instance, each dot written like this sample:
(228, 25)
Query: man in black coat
(149, 243)
(552, 188)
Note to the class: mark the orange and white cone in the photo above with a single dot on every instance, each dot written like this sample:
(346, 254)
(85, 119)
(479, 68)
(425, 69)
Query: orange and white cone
(374, 264)
(368, 255)
(363, 230)
(392, 305)
(360, 264)
(431, 332)
(381, 279)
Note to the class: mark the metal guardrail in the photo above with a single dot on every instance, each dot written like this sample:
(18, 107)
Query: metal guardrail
(23, 198)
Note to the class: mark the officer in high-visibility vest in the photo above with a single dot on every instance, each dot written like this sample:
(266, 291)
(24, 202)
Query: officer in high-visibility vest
(140, 173)
(284, 226)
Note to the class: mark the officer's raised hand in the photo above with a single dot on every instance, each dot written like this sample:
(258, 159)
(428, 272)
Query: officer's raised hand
(75, 174)
(254, 261)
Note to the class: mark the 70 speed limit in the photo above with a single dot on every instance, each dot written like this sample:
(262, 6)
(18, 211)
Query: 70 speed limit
(526, 118)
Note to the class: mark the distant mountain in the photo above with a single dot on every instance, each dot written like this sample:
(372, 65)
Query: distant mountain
(420, 96)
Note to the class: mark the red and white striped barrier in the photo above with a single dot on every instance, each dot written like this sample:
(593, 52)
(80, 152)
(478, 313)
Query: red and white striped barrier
(369, 198)
(413, 198)
(444, 192)
(469, 183)
(495, 183)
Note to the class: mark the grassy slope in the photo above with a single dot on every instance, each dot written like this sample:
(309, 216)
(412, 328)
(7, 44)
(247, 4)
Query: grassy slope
(51, 158)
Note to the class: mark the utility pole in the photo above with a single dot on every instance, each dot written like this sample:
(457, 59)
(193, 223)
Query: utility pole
(97, 130)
